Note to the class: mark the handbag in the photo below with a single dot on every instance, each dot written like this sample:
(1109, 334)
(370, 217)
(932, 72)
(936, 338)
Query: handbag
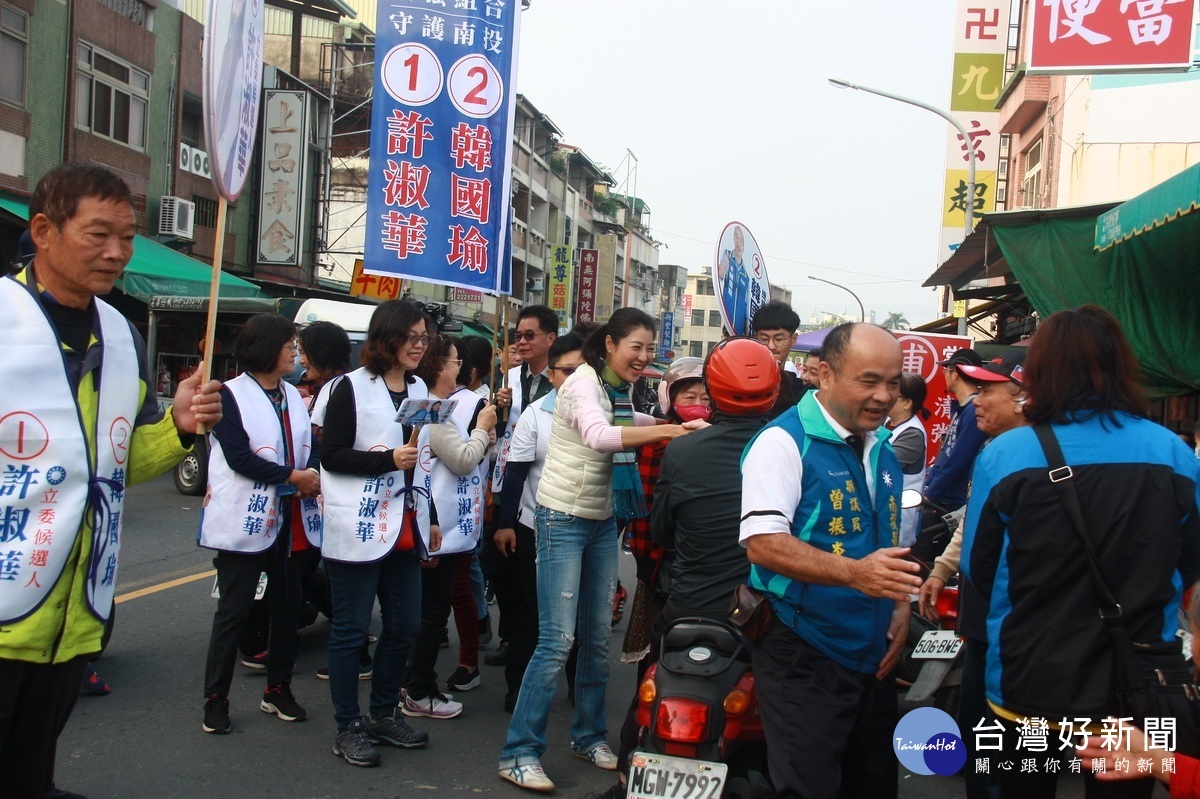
(1153, 680)
(750, 611)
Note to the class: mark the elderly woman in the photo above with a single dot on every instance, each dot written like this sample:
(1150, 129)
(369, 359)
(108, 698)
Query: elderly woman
(259, 467)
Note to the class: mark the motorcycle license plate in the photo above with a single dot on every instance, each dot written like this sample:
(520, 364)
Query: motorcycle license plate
(653, 776)
(937, 644)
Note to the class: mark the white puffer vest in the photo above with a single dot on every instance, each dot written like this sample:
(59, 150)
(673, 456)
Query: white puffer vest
(577, 479)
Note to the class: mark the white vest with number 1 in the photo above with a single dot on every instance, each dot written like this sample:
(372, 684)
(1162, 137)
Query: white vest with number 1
(48, 480)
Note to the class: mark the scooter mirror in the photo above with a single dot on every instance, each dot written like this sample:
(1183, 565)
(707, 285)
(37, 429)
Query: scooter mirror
(910, 498)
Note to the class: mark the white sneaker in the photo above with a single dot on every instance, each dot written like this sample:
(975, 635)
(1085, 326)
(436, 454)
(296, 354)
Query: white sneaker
(600, 755)
(434, 706)
(529, 776)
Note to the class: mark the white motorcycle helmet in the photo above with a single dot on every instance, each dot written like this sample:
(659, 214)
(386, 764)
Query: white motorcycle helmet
(686, 368)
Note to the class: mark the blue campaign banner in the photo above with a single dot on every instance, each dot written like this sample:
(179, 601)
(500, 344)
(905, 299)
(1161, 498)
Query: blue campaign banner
(668, 333)
(438, 191)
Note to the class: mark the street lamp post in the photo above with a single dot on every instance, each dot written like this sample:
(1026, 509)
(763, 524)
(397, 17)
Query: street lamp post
(862, 314)
(969, 205)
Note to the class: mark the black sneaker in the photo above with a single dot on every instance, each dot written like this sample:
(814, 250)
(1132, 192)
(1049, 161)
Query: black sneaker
(216, 715)
(354, 745)
(501, 657)
(278, 699)
(394, 731)
(463, 680)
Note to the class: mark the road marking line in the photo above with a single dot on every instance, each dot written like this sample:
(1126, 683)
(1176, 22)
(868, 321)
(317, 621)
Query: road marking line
(154, 589)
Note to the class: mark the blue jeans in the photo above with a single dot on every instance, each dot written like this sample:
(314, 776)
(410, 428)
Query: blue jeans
(576, 582)
(396, 580)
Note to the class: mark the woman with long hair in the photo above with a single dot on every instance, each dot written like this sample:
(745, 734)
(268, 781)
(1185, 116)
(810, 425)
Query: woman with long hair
(373, 543)
(1050, 655)
(589, 479)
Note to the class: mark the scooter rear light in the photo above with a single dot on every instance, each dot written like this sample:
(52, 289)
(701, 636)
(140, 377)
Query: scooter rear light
(646, 693)
(681, 720)
(947, 608)
(737, 702)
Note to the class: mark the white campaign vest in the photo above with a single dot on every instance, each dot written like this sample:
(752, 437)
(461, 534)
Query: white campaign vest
(239, 514)
(459, 498)
(364, 514)
(47, 478)
(539, 417)
(514, 414)
(910, 518)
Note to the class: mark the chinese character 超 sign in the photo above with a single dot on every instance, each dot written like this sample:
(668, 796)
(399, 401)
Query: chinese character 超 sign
(1094, 35)
(558, 293)
(282, 197)
(585, 306)
(442, 122)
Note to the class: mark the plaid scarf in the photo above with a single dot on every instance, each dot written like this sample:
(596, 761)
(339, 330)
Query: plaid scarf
(628, 500)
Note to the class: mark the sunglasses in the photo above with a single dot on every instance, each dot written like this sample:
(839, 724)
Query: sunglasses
(414, 339)
(566, 370)
(528, 335)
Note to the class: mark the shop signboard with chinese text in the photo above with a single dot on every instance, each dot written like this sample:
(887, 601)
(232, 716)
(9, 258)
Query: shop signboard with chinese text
(585, 306)
(438, 190)
(558, 293)
(385, 287)
(980, 42)
(668, 332)
(920, 353)
(741, 278)
(1086, 36)
(282, 197)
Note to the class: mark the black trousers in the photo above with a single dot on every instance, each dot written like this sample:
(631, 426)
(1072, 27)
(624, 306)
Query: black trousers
(828, 729)
(1043, 783)
(237, 577)
(522, 612)
(973, 711)
(437, 592)
(36, 699)
(509, 590)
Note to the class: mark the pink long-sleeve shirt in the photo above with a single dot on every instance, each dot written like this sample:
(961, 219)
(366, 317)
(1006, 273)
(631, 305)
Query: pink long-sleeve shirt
(588, 417)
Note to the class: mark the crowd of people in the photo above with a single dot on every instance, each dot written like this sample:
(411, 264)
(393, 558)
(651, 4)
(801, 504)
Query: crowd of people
(750, 472)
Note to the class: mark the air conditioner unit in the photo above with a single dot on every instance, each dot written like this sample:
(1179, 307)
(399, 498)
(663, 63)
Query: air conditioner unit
(185, 157)
(176, 217)
(200, 163)
(536, 284)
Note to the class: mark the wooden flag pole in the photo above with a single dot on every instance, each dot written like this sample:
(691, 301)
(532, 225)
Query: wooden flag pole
(214, 291)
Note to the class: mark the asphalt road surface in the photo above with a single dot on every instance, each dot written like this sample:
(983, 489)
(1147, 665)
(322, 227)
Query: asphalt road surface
(144, 739)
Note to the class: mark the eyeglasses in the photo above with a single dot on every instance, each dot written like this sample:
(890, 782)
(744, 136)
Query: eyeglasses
(782, 338)
(416, 338)
(456, 361)
(293, 346)
(528, 335)
(566, 370)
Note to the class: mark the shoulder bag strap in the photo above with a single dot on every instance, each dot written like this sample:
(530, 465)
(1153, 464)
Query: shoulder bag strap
(1062, 477)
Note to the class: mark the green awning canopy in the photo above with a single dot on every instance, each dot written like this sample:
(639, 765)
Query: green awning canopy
(1150, 282)
(158, 270)
(1168, 200)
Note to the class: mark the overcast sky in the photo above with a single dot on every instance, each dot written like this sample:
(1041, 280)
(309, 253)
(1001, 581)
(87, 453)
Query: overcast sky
(727, 109)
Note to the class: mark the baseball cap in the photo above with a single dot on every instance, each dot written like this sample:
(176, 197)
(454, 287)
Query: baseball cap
(1008, 367)
(965, 355)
